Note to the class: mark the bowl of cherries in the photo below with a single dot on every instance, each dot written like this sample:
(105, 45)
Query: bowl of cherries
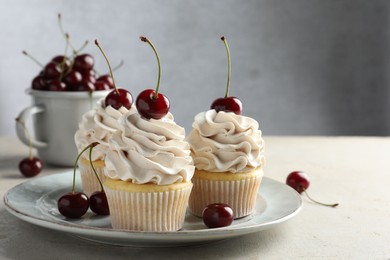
(66, 87)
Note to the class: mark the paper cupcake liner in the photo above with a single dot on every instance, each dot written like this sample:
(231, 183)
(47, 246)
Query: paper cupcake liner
(89, 181)
(148, 211)
(240, 195)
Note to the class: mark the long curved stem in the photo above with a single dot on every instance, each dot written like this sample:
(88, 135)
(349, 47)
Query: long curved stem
(144, 39)
(229, 65)
(108, 63)
(315, 201)
(93, 168)
(77, 160)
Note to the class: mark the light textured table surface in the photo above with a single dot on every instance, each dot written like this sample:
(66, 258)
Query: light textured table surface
(353, 171)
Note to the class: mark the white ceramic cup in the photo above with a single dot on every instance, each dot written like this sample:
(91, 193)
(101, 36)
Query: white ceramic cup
(56, 116)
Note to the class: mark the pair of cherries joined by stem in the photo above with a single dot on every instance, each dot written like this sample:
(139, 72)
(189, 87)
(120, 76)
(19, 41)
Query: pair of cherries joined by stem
(150, 103)
(75, 204)
(300, 182)
(70, 73)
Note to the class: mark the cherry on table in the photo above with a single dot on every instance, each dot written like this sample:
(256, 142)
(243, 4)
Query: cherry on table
(98, 203)
(30, 166)
(299, 181)
(217, 215)
(73, 204)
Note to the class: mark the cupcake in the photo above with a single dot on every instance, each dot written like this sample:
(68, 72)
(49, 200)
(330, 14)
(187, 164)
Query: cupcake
(96, 126)
(148, 174)
(227, 150)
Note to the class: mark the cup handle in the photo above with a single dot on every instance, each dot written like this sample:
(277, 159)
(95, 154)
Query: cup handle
(20, 131)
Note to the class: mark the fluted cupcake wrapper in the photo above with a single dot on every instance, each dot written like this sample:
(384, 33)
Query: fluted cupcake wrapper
(89, 181)
(240, 195)
(148, 211)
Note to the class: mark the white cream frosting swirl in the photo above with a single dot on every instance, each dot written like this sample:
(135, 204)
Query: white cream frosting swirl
(149, 151)
(226, 142)
(97, 126)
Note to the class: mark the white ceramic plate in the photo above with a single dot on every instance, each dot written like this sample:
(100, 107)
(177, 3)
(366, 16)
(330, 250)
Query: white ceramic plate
(35, 201)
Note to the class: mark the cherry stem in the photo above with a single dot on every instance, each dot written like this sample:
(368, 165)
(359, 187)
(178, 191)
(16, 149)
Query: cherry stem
(109, 66)
(77, 160)
(62, 65)
(118, 66)
(315, 201)
(28, 136)
(93, 168)
(65, 34)
(32, 58)
(144, 39)
(229, 65)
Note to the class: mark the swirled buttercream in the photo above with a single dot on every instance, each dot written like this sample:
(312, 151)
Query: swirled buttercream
(149, 151)
(98, 126)
(226, 142)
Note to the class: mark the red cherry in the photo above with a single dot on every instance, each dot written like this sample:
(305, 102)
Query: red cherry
(72, 79)
(61, 62)
(56, 85)
(89, 75)
(73, 204)
(83, 62)
(118, 98)
(84, 86)
(107, 79)
(217, 215)
(98, 203)
(150, 106)
(38, 83)
(30, 167)
(101, 85)
(228, 104)
(299, 181)
(52, 71)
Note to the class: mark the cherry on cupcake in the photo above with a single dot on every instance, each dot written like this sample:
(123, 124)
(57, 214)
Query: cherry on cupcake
(227, 103)
(31, 165)
(217, 215)
(118, 97)
(300, 182)
(150, 103)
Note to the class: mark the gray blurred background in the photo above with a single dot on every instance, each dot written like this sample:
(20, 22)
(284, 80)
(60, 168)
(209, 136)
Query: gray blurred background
(302, 67)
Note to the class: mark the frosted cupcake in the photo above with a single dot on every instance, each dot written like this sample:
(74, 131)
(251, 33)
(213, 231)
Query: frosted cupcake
(96, 126)
(228, 155)
(148, 167)
(148, 174)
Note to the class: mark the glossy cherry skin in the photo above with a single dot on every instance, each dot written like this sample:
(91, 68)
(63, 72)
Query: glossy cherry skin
(89, 75)
(52, 71)
(84, 86)
(72, 79)
(107, 79)
(229, 104)
(98, 203)
(101, 85)
(55, 85)
(217, 215)
(30, 167)
(298, 180)
(60, 60)
(83, 62)
(73, 204)
(38, 83)
(150, 107)
(124, 98)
